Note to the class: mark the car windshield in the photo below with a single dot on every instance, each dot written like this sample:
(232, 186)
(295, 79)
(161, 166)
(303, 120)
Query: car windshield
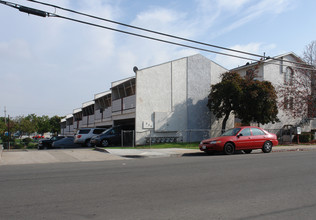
(231, 132)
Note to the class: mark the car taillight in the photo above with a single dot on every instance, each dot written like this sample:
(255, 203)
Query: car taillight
(79, 136)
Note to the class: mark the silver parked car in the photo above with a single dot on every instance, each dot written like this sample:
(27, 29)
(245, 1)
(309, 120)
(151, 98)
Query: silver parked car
(84, 135)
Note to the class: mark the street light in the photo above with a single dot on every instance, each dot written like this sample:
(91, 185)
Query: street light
(25, 9)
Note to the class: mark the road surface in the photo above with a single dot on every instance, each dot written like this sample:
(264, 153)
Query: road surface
(254, 186)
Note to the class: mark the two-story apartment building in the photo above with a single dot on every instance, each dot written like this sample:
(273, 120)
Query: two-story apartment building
(166, 102)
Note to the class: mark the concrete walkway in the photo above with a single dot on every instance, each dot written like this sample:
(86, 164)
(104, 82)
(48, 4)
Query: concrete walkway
(178, 152)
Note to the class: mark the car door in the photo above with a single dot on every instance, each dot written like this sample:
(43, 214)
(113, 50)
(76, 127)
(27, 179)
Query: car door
(258, 137)
(243, 139)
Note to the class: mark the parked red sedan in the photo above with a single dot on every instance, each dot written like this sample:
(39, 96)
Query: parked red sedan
(244, 138)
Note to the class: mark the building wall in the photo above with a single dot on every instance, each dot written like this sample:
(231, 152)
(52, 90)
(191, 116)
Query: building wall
(171, 99)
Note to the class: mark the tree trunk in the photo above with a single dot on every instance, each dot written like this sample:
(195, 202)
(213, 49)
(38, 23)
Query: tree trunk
(224, 122)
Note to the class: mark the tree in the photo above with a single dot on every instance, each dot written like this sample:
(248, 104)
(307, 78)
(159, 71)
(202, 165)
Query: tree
(259, 102)
(250, 100)
(43, 124)
(298, 92)
(55, 124)
(309, 56)
(225, 96)
(3, 126)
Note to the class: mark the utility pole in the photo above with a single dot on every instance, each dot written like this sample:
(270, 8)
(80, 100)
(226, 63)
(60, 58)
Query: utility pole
(9, 132)
(5, 115)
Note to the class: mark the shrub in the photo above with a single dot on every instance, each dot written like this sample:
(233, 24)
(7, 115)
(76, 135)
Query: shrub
(305, 137)
(18, 146)
(31, 145)
(26, 141)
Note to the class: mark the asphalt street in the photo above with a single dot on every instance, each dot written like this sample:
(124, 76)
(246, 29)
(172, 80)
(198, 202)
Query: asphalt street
(242, 186)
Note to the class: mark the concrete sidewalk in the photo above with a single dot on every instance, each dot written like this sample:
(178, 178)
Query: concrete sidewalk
(151, 153)
(178, 152)
(13, 157)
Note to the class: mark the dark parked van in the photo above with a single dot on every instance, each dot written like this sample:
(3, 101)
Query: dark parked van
(113, 136)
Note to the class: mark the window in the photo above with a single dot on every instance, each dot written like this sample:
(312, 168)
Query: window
(288, 103)
(288, 76)
(256, 131)
(98, 131)
(85, 131)
(245, 132)
(231, 132)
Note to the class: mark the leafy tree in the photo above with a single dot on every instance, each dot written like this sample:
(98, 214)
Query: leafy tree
(3, 126)
(259, 102)
(250, 100)
(55, 124)
(225, 96)
(43, 124)
(26, 126)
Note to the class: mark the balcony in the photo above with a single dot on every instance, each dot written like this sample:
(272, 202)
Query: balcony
(124, 105)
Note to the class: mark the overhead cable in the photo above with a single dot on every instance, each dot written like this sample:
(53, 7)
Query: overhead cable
(48, 14)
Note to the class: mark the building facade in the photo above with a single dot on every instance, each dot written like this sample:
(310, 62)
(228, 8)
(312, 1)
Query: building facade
(168, 102)
(164, 103)
(280, 71)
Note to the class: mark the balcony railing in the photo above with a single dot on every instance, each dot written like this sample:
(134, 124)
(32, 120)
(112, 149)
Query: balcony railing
(124, 104)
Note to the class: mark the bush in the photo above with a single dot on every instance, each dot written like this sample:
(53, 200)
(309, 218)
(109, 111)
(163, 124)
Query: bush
(18, 146)
(305, 137)
(26, 141)
(31, 145)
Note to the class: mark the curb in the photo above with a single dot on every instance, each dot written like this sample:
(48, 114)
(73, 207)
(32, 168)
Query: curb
(101, 149)
(174, 155)
(294, 149)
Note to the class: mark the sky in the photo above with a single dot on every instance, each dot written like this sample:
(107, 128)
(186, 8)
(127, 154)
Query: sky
(50, 66)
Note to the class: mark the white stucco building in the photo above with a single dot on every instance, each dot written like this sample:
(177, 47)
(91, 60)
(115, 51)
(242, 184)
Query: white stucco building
(279, 72)
(168, 102)
(171, 99)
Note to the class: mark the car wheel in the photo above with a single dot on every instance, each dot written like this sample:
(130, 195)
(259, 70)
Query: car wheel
(229, 149)
(267, 147)
(104, 143)
(247, 151)
(87, 143)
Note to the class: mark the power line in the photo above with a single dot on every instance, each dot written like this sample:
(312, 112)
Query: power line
(150, 38)
(166, 35)
(48, 14)
(147, 30)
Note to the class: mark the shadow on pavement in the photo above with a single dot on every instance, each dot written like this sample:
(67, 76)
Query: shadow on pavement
(203, 154)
